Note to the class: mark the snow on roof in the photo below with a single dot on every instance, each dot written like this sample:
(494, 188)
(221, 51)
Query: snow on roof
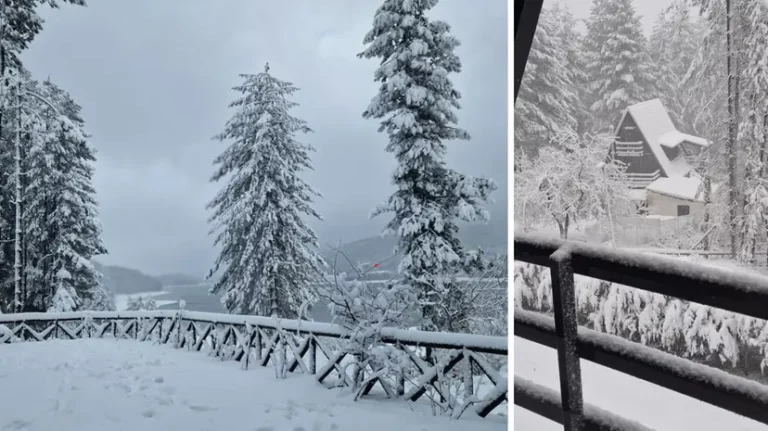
(679, 167)
(673, 139)
(677, 187)
(654, 123)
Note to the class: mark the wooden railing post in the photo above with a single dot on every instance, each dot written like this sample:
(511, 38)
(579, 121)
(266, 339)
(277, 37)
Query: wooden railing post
(312, 352)
(566, 329)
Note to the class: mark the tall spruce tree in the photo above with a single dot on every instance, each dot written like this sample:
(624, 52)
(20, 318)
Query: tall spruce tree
(60, 217)
(753, 129)
(416, 103)
(20, 23)
(268, 252)
(617, 63)
(548, 102)
(673, 47)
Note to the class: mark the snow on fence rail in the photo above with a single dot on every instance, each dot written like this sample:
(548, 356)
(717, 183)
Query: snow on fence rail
(248, 338)
(740, 293)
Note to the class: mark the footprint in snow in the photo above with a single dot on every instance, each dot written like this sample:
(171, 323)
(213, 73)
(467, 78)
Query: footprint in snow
(17, 425)
(199, 409)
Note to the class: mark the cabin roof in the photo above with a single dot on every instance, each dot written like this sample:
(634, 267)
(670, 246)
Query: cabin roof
(678, 187)
(653, 122)
(673, 139)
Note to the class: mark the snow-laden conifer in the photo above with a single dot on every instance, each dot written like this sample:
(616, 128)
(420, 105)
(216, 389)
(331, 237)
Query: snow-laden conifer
(63, 232)
(548, 103)
(268, 253)
(416, 103)
(617, 61)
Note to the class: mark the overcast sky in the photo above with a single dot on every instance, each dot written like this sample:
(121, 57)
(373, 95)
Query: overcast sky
(154, 80)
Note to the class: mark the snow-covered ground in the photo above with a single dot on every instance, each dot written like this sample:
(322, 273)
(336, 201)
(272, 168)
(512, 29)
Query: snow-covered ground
(620, 394)
(105, 384)
(121, 300)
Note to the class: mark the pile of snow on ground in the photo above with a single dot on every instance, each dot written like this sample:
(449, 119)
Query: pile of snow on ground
(102, 384)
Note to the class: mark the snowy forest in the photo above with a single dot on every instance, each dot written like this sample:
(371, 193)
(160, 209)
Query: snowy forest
(586, 91)
(269, 262)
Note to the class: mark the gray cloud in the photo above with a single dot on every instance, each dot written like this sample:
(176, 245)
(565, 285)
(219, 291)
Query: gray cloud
(154, 80)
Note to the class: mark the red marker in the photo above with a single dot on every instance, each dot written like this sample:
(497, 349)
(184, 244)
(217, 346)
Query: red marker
(375, 265)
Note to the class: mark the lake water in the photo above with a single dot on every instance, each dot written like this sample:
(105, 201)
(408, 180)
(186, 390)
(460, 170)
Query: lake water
(197, 298)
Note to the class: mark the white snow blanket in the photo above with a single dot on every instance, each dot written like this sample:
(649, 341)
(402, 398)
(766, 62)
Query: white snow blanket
(620, 394)
(115, 385)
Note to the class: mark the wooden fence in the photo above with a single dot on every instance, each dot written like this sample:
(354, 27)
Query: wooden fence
(439, 360)
(745, 294)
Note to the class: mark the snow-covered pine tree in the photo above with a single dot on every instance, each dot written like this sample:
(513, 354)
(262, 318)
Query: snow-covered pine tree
(19, 24)
(268, 253)
(673, 46)
(548, 102)
(617, 63)
(59, 219)
(572, 41)
(417, 102)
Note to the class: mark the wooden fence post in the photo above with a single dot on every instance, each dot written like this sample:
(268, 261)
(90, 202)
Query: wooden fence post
(566, 329)
(312, 355)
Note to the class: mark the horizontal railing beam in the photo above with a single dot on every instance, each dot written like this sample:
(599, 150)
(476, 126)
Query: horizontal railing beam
(740, 293)
(716, 387)
(438, 340)
(546, 402)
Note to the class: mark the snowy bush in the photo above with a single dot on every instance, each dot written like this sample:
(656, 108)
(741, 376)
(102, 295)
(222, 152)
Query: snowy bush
(365, 309)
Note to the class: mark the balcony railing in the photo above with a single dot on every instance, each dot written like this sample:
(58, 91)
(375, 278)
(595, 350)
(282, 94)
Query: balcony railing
(640, 181)
(745, 294)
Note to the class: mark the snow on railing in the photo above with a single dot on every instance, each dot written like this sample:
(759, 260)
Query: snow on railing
(289, 343)
(740, 293)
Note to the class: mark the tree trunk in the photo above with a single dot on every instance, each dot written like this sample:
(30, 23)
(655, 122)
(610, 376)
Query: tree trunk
(730, 149)
(17, 246)
(707, 209)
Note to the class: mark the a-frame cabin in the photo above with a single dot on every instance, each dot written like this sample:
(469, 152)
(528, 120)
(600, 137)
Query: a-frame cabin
(651, 147)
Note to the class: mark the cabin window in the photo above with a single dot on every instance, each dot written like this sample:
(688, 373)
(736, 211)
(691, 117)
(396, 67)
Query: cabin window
(683, 210)
(672, 153)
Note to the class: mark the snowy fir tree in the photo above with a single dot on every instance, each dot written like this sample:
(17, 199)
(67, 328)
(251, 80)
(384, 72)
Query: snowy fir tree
(753, 129)
(548, 103)
(673, 47)
(56, 206)
(617, 62)
(572, 39)
(268, 253)
(20, 23)
(416, 103)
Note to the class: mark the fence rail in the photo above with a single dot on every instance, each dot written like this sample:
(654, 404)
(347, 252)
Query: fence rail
(744, 293)
(439, 360)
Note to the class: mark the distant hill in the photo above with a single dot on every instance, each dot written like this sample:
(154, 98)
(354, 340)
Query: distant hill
(178, 279)
(492, 237)
(122, 280)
